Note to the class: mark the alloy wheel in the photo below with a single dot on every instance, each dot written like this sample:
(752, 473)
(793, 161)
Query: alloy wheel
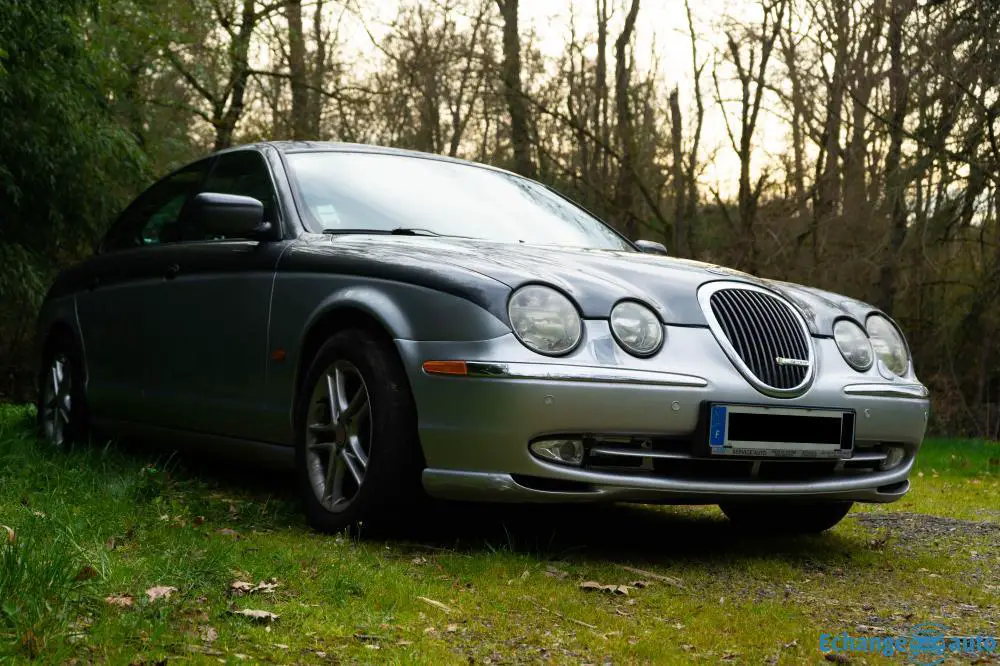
(57, 399)
(338, 436)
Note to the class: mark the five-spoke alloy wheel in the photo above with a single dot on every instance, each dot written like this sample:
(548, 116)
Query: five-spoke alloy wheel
(357, 452)
(62, 414)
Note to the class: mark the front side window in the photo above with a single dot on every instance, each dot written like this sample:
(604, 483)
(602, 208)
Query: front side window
(344, 191)
(154, 217)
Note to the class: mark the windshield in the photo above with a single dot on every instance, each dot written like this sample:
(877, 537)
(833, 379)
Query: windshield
(345, 191)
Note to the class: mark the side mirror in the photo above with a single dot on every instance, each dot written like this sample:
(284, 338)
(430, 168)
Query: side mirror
(651, 247)
(228, 214)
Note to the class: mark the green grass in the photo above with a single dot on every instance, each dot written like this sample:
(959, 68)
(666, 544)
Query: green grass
(100, 522)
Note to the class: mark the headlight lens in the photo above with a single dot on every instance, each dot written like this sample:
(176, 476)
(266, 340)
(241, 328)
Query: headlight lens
(853, 344)
(888, 344)
(544, 320)
(636, 328)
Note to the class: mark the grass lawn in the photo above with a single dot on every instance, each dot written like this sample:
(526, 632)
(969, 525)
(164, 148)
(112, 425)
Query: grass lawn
(96, 533)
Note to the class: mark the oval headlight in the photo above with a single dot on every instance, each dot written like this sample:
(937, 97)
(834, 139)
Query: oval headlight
(888, 344)
(853, 343)
(544, 320)
(636, 328)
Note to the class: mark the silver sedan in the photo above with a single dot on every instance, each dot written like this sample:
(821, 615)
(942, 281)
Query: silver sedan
(399, 323)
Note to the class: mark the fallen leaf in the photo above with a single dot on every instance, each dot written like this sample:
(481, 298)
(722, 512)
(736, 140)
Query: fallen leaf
(120, 600)
(38, 514)
(86, 573)
(208, 634)
(281, 646)
(451, 628)
(403, 642)
(789, 646)
(676, 582)
(160, 592)
(419, 560)
(437, 604)
(198, 520)
(258, 615)
(225, 531)
(639, 584)
(241, 587)
(594, 586)
(11, 537)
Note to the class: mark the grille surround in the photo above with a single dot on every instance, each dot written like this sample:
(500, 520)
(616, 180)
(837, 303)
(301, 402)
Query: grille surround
(763, 326)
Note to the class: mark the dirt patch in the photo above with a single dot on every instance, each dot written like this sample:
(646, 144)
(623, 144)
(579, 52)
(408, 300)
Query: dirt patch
(921, 526)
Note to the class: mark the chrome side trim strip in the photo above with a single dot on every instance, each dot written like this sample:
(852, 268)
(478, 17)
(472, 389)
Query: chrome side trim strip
(917, 391)
(639, 453)
(580, 373)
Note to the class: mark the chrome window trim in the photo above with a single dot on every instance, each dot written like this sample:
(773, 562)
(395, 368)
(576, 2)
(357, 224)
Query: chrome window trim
(705, 293)
(578, 373)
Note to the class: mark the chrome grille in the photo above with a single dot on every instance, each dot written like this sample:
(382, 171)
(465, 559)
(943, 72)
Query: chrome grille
(761, 329)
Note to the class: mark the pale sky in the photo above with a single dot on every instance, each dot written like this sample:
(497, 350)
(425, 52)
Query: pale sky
(662, 23)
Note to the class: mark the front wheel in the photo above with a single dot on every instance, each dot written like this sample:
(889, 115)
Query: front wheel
(357, 452)
(61, 406)
(785, 517)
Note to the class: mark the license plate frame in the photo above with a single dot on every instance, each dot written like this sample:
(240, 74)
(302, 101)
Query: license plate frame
(762, 431)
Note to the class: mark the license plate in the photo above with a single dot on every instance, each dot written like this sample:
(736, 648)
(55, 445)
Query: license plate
(780, 432)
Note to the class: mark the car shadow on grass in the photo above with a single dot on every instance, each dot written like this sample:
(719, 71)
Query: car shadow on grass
(623, 533)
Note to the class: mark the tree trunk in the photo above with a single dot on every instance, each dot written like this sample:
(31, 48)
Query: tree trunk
(679, 181)
(297, 70)
(513, 94)
(895, 178)
(626, 168)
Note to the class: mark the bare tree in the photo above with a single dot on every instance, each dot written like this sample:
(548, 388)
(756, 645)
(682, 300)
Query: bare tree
(511, 76)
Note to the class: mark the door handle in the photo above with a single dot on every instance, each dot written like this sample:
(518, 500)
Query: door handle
(172, 271)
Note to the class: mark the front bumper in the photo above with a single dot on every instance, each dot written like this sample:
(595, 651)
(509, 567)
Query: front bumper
(475, 429)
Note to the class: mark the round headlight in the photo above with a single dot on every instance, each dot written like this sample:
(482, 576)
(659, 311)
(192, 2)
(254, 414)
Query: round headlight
(888, 344)
(544, 320)
(853, 343)
(636, 328)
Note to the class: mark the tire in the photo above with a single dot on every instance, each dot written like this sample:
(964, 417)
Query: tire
(61, 406)
(786, 517)
(376, 440)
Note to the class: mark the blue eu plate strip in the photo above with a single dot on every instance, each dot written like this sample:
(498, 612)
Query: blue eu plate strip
(717, 426)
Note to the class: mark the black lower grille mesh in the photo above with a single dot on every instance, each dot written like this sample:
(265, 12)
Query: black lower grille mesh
(762, 329)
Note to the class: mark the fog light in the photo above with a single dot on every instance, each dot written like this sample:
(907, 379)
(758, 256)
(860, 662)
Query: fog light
(566, 451)
(893, 457)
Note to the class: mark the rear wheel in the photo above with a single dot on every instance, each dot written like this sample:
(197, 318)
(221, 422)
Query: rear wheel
(785, 517)
(357, 452)
(61, 405)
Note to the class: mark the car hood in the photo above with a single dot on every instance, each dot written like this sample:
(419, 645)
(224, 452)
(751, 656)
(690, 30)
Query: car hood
(595, 279)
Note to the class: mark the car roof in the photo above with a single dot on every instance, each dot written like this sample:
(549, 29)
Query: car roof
(291, 147)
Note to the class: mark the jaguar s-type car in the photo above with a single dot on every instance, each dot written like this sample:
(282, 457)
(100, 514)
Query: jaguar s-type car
(406, 323)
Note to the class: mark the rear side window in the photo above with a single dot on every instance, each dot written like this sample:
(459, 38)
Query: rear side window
(154, 217)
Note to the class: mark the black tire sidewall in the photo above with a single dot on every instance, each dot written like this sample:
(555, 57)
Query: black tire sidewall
(393, 469)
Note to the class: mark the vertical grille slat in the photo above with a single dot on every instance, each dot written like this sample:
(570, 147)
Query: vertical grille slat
(760, 328)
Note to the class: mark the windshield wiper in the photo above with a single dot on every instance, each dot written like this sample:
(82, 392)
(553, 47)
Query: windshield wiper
(398, 231)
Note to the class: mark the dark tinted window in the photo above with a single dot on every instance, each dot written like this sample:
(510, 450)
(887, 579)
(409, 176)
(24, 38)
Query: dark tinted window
(244, 173)
(154, 217)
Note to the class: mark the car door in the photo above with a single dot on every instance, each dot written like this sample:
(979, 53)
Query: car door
(208, 356)
(118, 289)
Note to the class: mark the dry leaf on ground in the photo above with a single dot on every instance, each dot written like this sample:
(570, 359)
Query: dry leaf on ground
(437, 604)
(676, 582)
(241, 587)
(120, 600)
(594, 586)
(258, 615)
(208, 634)
(160, 592)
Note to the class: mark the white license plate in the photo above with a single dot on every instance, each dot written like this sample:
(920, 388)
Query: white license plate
(780, 432)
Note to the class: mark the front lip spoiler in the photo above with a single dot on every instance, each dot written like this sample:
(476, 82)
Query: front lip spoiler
(912, 391)
(574, 373)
